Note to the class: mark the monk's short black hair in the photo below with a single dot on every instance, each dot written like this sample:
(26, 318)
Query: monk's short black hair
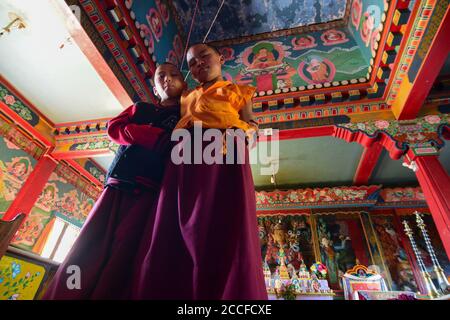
(166, 62)
(208, 45)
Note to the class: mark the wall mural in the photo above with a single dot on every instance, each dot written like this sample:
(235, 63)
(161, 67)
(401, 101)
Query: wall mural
(294, 61)
(59, 198)
(156, 23)
(342, 243)
(394, 254)
(15, 167)
(366, 24)
(245, 17)
(288, 238)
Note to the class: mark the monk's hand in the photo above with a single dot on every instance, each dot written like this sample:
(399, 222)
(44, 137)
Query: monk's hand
(252, 135)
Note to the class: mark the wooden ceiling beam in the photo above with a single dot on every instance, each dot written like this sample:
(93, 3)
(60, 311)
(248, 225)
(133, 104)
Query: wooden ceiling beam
(367, 164)
(97, 61)
(412, 94)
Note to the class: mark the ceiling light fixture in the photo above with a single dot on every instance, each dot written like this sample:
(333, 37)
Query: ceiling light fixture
(16, 22)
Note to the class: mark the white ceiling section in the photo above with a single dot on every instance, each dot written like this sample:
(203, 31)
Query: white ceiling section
(47, 67)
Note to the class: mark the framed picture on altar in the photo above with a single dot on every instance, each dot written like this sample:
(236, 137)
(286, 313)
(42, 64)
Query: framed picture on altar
(341, 243)
(395, 256)
(287, 237)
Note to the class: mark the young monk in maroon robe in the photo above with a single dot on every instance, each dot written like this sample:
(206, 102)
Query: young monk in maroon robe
(109, 239)
(204, 241)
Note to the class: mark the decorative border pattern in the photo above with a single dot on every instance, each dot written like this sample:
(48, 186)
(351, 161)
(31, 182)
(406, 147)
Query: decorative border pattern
(10, 132)
(102, 27)
(402, 194)
(310, 113)
(96, 38)
(66, 172)
(316, 196)
(85, 142)
(16, 105)
(419, 25)
(93, 168)
(418, 133)
(284, 201)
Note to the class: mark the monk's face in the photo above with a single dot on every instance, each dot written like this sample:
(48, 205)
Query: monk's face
(169, 82)
(205, 63)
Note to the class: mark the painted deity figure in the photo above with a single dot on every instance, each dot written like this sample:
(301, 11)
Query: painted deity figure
(47, 198)
(329, 257)
(370, 24)
(267, 275)
(296, 282)
(345, 257)
(69, 204)
(85, 208)
(314, 284)
(30, 230)
(264, 57)
(12, 176)
(265, 66)
(332, 37)
(301, 43)
(277, 279)
(317, 69)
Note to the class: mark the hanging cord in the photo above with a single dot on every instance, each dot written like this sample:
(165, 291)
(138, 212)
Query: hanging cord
(189, 35)
(214, 20)
(206, 36)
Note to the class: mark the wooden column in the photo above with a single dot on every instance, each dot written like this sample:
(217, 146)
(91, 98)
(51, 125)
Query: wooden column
(31, 189)
(435, 184)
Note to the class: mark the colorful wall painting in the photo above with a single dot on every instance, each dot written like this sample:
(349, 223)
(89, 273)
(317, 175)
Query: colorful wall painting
(394, 254)
(375, 251)
(59, 198)
(19, 279)
(15, 167)
(366, 24)
(342, 243)
(156, 22)
(294, 61)
(287, 237)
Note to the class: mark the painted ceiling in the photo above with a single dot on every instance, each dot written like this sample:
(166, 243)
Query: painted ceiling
(331, 56)
(301, 61)
(248, 17)
(48, 68)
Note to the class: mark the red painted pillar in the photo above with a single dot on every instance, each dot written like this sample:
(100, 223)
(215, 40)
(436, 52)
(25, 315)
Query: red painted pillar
(31, 189)
(435, 184)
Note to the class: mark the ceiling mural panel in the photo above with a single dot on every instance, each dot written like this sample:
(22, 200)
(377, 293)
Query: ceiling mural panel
(247, 17)
(295, 61)
(158, 28)
(366, 24)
